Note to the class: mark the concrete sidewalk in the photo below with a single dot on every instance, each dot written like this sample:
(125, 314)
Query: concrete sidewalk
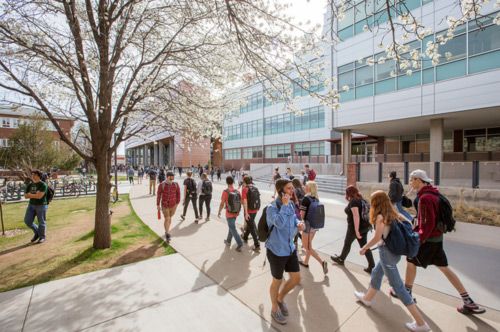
(320, 303)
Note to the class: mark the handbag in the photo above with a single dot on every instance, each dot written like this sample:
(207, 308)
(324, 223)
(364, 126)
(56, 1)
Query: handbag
(406, 202)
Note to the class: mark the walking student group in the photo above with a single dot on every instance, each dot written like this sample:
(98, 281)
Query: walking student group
(296, 213)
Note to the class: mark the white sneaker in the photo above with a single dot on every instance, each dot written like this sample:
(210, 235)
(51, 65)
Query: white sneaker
(414, 327)
(360, 296)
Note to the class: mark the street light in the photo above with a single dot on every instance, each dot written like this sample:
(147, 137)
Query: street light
(116, 161)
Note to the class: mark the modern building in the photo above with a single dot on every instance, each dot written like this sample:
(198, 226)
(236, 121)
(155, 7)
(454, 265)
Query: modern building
(11, 117)
(444, 112)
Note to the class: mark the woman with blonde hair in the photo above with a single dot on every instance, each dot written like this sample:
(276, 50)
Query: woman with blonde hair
(309, 232)
(382, 216)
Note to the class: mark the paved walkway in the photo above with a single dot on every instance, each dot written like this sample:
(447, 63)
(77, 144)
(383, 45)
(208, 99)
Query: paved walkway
(206, 286)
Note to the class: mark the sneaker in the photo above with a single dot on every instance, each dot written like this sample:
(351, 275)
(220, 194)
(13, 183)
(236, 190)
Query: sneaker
(42, 240)
(471, 309)
(196, 220)
(414, 327)
(325, 267)
(35, 237)
(227, 243)
(283, 308)
(238, 248)
(304, 264)
(394, 295)
(207, 219)
(337, 260)
(278, 317)
(360, 296)
(183, 218)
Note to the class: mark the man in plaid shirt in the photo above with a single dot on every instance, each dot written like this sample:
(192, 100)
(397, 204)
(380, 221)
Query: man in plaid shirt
(169, 195)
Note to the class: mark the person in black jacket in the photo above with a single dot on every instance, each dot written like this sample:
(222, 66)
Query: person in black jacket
(396, 192)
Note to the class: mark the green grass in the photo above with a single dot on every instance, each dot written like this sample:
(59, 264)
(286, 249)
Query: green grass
(68, 250)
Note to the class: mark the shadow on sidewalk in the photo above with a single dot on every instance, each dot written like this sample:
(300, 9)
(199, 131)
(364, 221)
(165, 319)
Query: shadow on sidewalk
(189, 228)
(141, 253)
(22, 246)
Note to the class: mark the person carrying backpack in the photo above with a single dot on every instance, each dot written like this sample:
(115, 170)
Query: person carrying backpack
(251, 205)
(152, 180)
(431, 252)
(309, 209)
(358, 226)
(219, 174)
(36, 192)
(396, 192)
(169, 196)
(280, 249)
(190, 195)
(204, 190)
(311, 173)
(161, 176)
(130, 174)
(231, 200)
(384, 217)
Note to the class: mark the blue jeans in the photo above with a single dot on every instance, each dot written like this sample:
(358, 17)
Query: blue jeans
(388, 266)
(405, 213)
(40, 211)
(231, 223)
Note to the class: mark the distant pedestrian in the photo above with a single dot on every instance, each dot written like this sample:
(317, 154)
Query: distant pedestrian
(281, 251)
(190, 195)
(180, 171)
(276, 176)
(357, 227)
(219, 173)
(212, 173)
(431, 251)
(130, 174)
(161, 176)
(36, 192)
(383, 215)
(299, 190)
(231, 201)
(251, 205)
(396, 192)
(204, 190)
(140, 175)
(152, 174)
(289, 174)
(306, 210)
(167, 200)
(303, 177)
(311, 173)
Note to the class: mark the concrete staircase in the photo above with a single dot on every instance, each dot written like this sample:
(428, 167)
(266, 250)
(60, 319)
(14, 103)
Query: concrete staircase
(335, 184)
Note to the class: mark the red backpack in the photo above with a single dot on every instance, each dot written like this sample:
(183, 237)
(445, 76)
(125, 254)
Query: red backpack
(311, 175)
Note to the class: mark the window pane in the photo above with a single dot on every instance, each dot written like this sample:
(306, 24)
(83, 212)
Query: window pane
(348, 19)
(384, 86)
(364, 75)
(346, 95)
(364, 91)
(314, 118)
(455, 47)
(346, 79)
(384, 70)
(406, 81)
(485, 40)
(484, 62)
(450, 70)
(428, 76)
(321, 118)
(344, 68)
(346, 33)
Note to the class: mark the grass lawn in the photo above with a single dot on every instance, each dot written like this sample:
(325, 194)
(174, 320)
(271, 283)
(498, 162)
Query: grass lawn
(68, 250)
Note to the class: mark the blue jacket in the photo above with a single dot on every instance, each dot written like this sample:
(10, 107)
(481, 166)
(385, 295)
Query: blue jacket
(284, 223)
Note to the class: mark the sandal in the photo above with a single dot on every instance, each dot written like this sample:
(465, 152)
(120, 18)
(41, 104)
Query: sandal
(303, 264)
(471, 309)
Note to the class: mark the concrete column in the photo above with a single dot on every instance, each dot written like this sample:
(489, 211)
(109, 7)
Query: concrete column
(155, 153)
(161, 149)
(346, 149)
(436, 141)
(171, 151)
(146, 157)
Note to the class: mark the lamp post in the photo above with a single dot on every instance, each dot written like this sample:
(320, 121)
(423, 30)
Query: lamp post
(116, 162)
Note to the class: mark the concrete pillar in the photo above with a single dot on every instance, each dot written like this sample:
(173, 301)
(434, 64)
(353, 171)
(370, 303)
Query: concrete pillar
(171, 152)
(346, 149)
(161, 149)
(146, 157)
(155, 153)
(436, 140)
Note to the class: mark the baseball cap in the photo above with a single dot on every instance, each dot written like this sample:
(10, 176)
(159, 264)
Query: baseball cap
(170, 173)
(420, 174)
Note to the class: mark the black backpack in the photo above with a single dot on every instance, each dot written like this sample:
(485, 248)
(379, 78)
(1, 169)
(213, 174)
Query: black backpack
(191, 186)
(365, 215)
(316, 214)
(263, 229)
(253, 198)
(206, 188)
(50, 194)
(445, 221)
(233, 201)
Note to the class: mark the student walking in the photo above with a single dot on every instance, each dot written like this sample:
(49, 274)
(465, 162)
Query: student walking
(396, 192)
(130, 174)
(280, 249)
(383, 215)
(358, 226)
(190, 195)
(311, 173)
(204, 190)
(231, 200)
(431, 250)
(140, 175)
(219, 173)
(212, 173)
(167, 200)
(152, 180)
(251, 205)
(161, 175)
(36, 191)
(309, 232)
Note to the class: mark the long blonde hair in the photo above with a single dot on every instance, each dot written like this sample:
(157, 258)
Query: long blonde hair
(380, 203)
(313, 189)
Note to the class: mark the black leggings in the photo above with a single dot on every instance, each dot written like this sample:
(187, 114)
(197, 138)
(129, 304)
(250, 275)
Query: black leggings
(193, 200)
(350, 236)
(206, 199)
(251, 229)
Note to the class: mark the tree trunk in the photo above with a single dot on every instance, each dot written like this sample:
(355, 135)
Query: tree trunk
(102, 229)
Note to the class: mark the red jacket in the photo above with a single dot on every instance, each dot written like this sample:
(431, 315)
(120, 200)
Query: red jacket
(428, 209)
(168, 194)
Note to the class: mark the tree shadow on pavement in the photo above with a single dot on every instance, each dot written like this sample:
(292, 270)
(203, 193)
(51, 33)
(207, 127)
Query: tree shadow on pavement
(187, 230)
(8, 251)
(141, 253)
(481, 325)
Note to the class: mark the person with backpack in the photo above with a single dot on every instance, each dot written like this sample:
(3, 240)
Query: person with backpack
(251, 205)
(358, 226)
(212, 173)
(152, 180)
(385, 218)
(434, 217)
(396, 193)
(311, 214)
(219, 173)
(281, 252)
(231, 200)
(167, 200)
(161, 176)
(311, 173)
(140, 175)
(190, 195)
(36, 192)
(204, 190)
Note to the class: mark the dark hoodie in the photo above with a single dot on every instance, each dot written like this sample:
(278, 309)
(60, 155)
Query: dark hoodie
(428, 209)
(396, 190)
